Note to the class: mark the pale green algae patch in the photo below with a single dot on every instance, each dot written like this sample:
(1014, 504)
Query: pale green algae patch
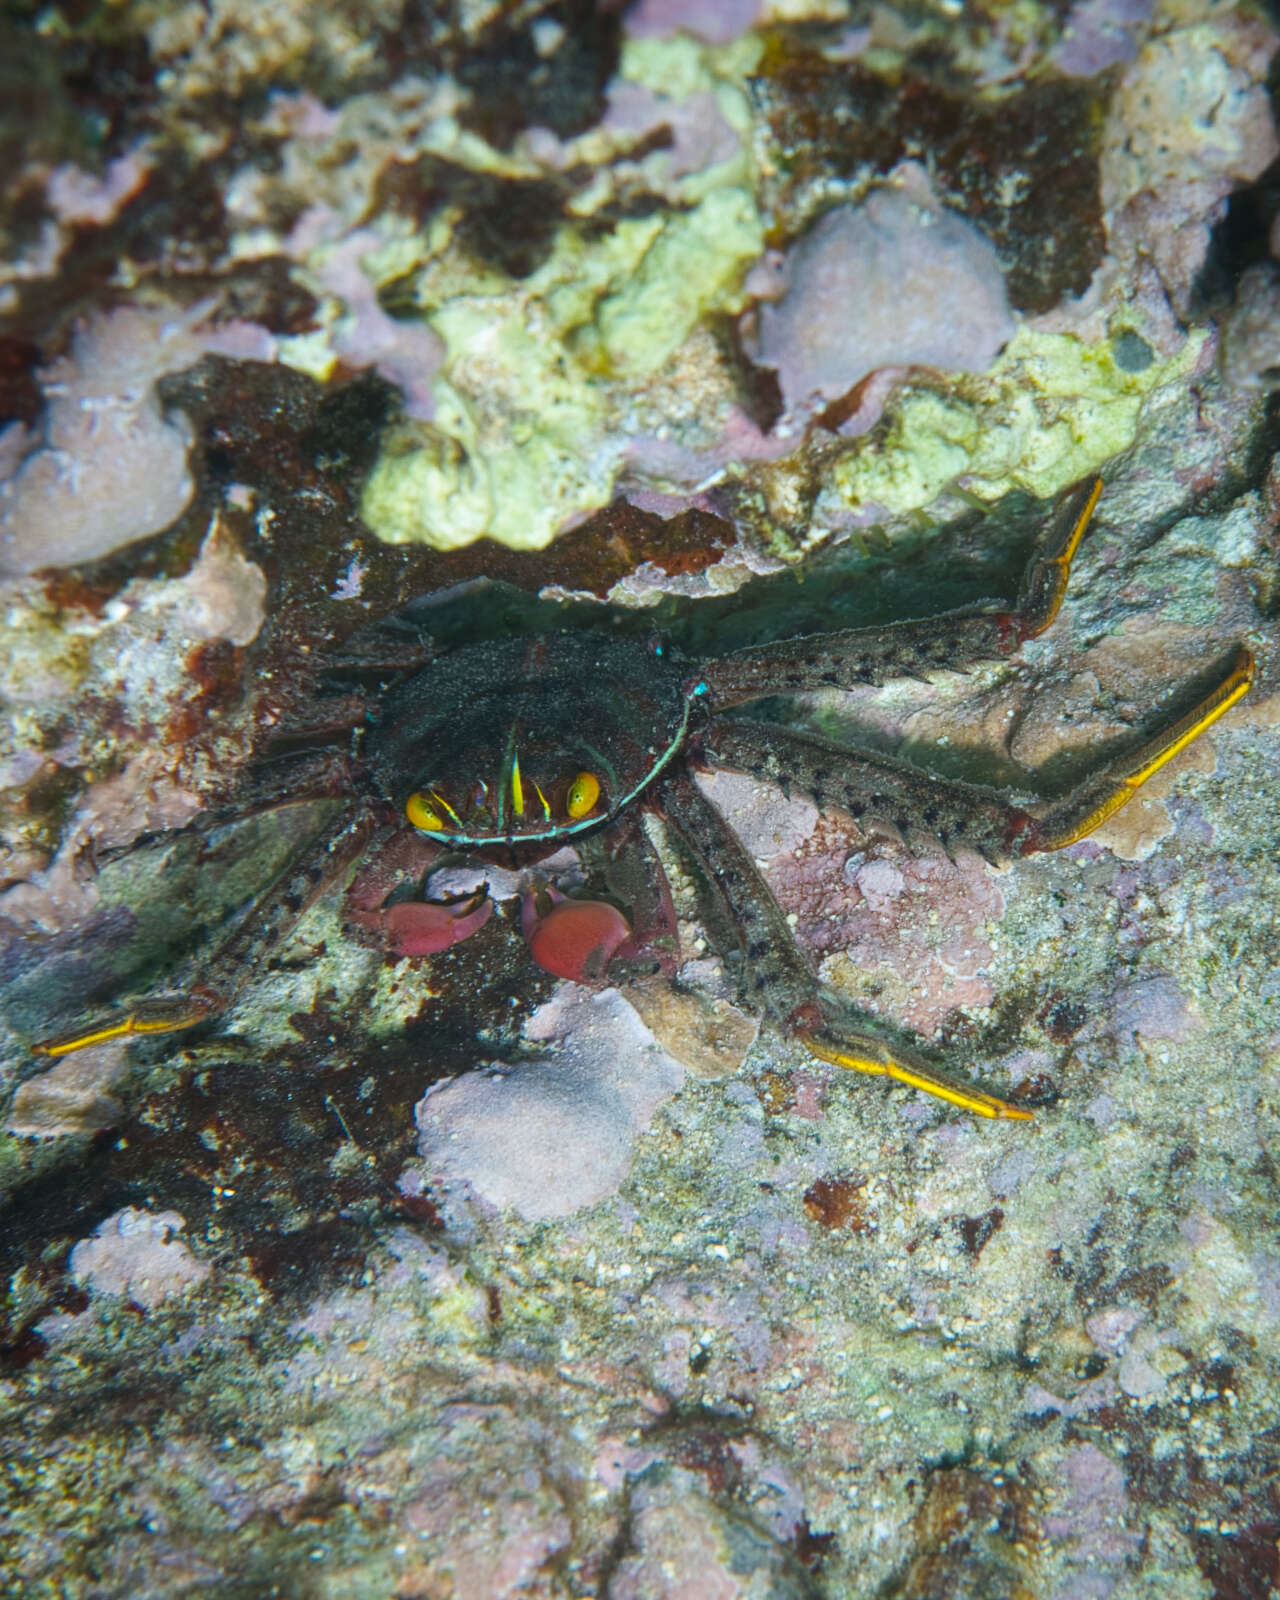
(543, 380)
(1050, 410)
(538, 376)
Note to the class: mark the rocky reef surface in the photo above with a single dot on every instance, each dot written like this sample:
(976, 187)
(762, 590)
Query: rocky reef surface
(436, 1276)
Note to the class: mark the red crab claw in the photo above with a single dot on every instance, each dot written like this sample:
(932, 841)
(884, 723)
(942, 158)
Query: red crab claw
(425, 927)
(575, 939)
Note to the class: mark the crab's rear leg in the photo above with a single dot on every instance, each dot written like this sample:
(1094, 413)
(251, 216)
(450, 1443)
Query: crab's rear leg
(953, 640)
(250, 941)
(878, 789)
(777, 974)
(1101, 796)
(875, 789)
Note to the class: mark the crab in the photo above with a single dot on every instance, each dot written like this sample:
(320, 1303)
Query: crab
(507, 750)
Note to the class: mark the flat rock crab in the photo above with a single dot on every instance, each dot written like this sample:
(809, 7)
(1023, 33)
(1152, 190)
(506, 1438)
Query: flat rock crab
(508, 749)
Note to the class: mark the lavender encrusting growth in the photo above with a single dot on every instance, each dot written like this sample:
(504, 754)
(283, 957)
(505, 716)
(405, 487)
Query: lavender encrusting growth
(894, 282)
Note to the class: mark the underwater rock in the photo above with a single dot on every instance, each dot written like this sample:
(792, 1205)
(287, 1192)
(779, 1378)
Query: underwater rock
(686, 1547)
(73, 1096)
(1251, 336)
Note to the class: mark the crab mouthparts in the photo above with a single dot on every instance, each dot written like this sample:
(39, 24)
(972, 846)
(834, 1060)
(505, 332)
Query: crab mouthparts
(517, 809)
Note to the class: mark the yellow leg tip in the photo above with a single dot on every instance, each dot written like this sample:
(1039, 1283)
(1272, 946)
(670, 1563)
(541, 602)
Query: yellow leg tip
(148, 1016)
(873, 1056)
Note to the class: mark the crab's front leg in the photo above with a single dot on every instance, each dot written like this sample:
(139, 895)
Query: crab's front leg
(777, 974)
(854, 658)
(218, 977)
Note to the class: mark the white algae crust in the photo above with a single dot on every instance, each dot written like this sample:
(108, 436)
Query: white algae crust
(109, 467)
(135, 1255)
(503, 1134)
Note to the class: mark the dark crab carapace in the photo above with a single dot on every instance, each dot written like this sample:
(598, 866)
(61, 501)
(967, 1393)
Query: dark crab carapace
(523, 743)
(510, 748)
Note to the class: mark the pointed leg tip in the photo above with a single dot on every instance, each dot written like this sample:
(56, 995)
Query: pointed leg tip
(1014, 1113)
(865, 1053)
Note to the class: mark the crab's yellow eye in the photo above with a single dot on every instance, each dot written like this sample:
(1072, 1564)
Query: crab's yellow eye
(584, 791)
(427, 811)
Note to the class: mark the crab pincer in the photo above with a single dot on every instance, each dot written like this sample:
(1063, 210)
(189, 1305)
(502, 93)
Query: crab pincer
(573, 939)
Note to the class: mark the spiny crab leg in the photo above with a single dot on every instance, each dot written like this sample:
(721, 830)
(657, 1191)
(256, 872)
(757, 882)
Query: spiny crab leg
(287, 898)
(779, 977)
(1089, 806)
(893, 791)
(162, 1014)
(853, 658)
(880, 789)
(1046, 577)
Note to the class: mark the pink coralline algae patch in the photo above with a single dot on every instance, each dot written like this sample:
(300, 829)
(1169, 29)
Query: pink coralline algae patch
(1099, 34)
(698, 133)
(1154, 1008)
(74, 1096)
(1091, 1511)
(930, 937)
(552, 1135)
(404, 353)
(223, 596)
(715, 21)
(135, 1254)
(894, 282)
(912, 925)
(75, 195)
(495, 1556)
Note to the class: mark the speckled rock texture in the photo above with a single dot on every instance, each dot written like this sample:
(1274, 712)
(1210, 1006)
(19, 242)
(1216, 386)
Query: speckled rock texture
(334, 338)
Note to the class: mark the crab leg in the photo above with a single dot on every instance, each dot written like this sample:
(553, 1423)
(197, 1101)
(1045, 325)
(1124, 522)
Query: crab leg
(857, 657)
(1100, 797)
(778, 975)
(880, 789)
(290, 779)
(872, 789)
(286, 899)
(161, 1014)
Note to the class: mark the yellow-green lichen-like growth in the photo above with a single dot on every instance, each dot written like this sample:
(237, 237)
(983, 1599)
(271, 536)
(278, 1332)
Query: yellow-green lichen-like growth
(541, 378)
(696, 261)
(528, 431)
(440, 484)
(1050, 411)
